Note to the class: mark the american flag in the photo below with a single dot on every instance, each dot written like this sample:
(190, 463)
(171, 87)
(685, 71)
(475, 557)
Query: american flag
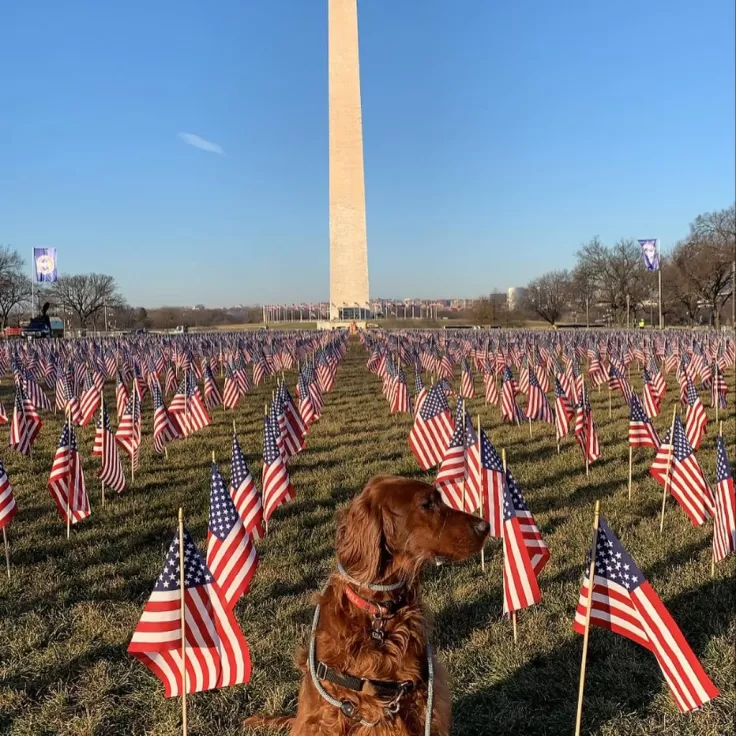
(111, 470)
(489, 388)
(686, 480)
(216, 651)
(8, 509)
(294, 428)
(35, 392)
(121, 394)
(400, 394)
(724, 530)
(491, 482)
(432, 429)
(3, 414)
(188, 406)
(719, 388)
(624, 602)
(212, 395)
(641, 431)
(165, 426)
(90, 401)
(306, 407)
(650, 395)
(617, 380)
(467, 387)
(585, 430)
(537, 405)
(231, 554)
(420, 391)
(520, 587)
(128, 434)
(66, 481)
(244, 493)
(26, 423)
(510, 410)
(277, 488)
(231, 392)
(170, 380)
(696, 420)
(563, 411)
(457, 480)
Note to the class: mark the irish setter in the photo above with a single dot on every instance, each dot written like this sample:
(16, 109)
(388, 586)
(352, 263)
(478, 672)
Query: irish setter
(370, 642)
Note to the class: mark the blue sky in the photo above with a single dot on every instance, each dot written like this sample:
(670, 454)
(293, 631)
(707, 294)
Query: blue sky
(498, 137)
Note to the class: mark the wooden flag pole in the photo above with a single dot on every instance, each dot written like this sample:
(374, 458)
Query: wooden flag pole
(480, 485)
(7, 551)
(265, 521)
(669, 468)
(132, 457)
(234, 430)
(69, 479)
(530, 426)
(513, 613)
(718, 400)
(588, 607)
(713, 551)
(631, 454)
(183, 624)
(610, 406)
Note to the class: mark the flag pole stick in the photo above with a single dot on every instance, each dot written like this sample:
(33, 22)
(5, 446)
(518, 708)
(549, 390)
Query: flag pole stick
(102, 423)
(463, 421)
(631, 452)
(530, 425)
(132, 456)
(480, 485)
(69, 494)
(265, 521)
(513, 613)
(183, 624)
(669, 469)
(588, 607)
(713, 551)
(7, 551)
(609, 402)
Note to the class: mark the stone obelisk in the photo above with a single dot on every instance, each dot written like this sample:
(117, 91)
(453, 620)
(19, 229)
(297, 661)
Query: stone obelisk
(348, 247)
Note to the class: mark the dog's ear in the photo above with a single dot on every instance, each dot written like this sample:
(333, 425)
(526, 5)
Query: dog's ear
(360, 540)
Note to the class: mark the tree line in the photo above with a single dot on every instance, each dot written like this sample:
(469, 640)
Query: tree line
(610, 284)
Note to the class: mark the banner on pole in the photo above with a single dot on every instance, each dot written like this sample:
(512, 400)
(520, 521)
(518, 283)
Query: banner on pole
(44, 264)
(649, 251)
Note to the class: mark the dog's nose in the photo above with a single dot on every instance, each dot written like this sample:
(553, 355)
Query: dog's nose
(481, 527)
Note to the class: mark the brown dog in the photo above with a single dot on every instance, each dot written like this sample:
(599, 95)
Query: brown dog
(369, 651)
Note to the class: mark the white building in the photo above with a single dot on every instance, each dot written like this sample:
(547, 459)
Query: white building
(515, 296)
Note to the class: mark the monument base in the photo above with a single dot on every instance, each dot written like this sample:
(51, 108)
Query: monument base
(334, 324)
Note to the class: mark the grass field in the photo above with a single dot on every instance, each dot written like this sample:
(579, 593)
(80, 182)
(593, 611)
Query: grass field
(68, 614)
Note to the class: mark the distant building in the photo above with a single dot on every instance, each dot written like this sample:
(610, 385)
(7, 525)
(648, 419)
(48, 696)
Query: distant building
(515, 296)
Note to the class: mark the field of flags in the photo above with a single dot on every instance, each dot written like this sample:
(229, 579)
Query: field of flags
(600, 460)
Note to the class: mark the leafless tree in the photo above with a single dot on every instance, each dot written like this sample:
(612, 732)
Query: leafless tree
(15, 293)
(549, 295)
(705, 258)
(583, 289)
(85, 295)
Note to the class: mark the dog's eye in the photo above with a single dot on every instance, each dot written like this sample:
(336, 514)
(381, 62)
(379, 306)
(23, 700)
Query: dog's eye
(428, 503)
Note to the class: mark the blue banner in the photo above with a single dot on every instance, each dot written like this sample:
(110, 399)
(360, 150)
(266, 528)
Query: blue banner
(649, 251)
(44, 264)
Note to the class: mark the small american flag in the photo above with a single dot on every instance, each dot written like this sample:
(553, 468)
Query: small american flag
(277, 488)
(111, 470)
(216, 651)
(432, 429)
(491, 479)
(26, 423)
(696, 420)
(231, 554)
(8, 508)
(244, 493)
(66, 481)
(457, 479)
(625, 603)
(537, 405)
(686, 480)
(212, 395)
(563, 411)
(724, 530)
(641, 431)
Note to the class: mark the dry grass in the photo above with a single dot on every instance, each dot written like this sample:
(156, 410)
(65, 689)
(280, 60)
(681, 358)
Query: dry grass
(70, 609)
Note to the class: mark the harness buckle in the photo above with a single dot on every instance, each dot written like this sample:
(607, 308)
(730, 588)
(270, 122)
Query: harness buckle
(321, 670)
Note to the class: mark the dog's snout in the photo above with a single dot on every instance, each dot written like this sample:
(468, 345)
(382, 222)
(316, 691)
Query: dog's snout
(481, 527)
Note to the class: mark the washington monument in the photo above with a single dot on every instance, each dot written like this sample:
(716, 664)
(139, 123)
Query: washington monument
(348, 248)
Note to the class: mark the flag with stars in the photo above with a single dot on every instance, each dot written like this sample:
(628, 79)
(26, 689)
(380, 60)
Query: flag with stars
(432, 429)
(457, 478)
(111, 470)
(216, 653)
(685, 478)
(231, 554)
(696, 420)
(277, 488)
(724, 530)
(520, 587)
(491, 484)
(625, 603)
(26, 424)
(66, 480)
(244, 493)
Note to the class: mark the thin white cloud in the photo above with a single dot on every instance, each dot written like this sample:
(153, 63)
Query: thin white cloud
(194, 140)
